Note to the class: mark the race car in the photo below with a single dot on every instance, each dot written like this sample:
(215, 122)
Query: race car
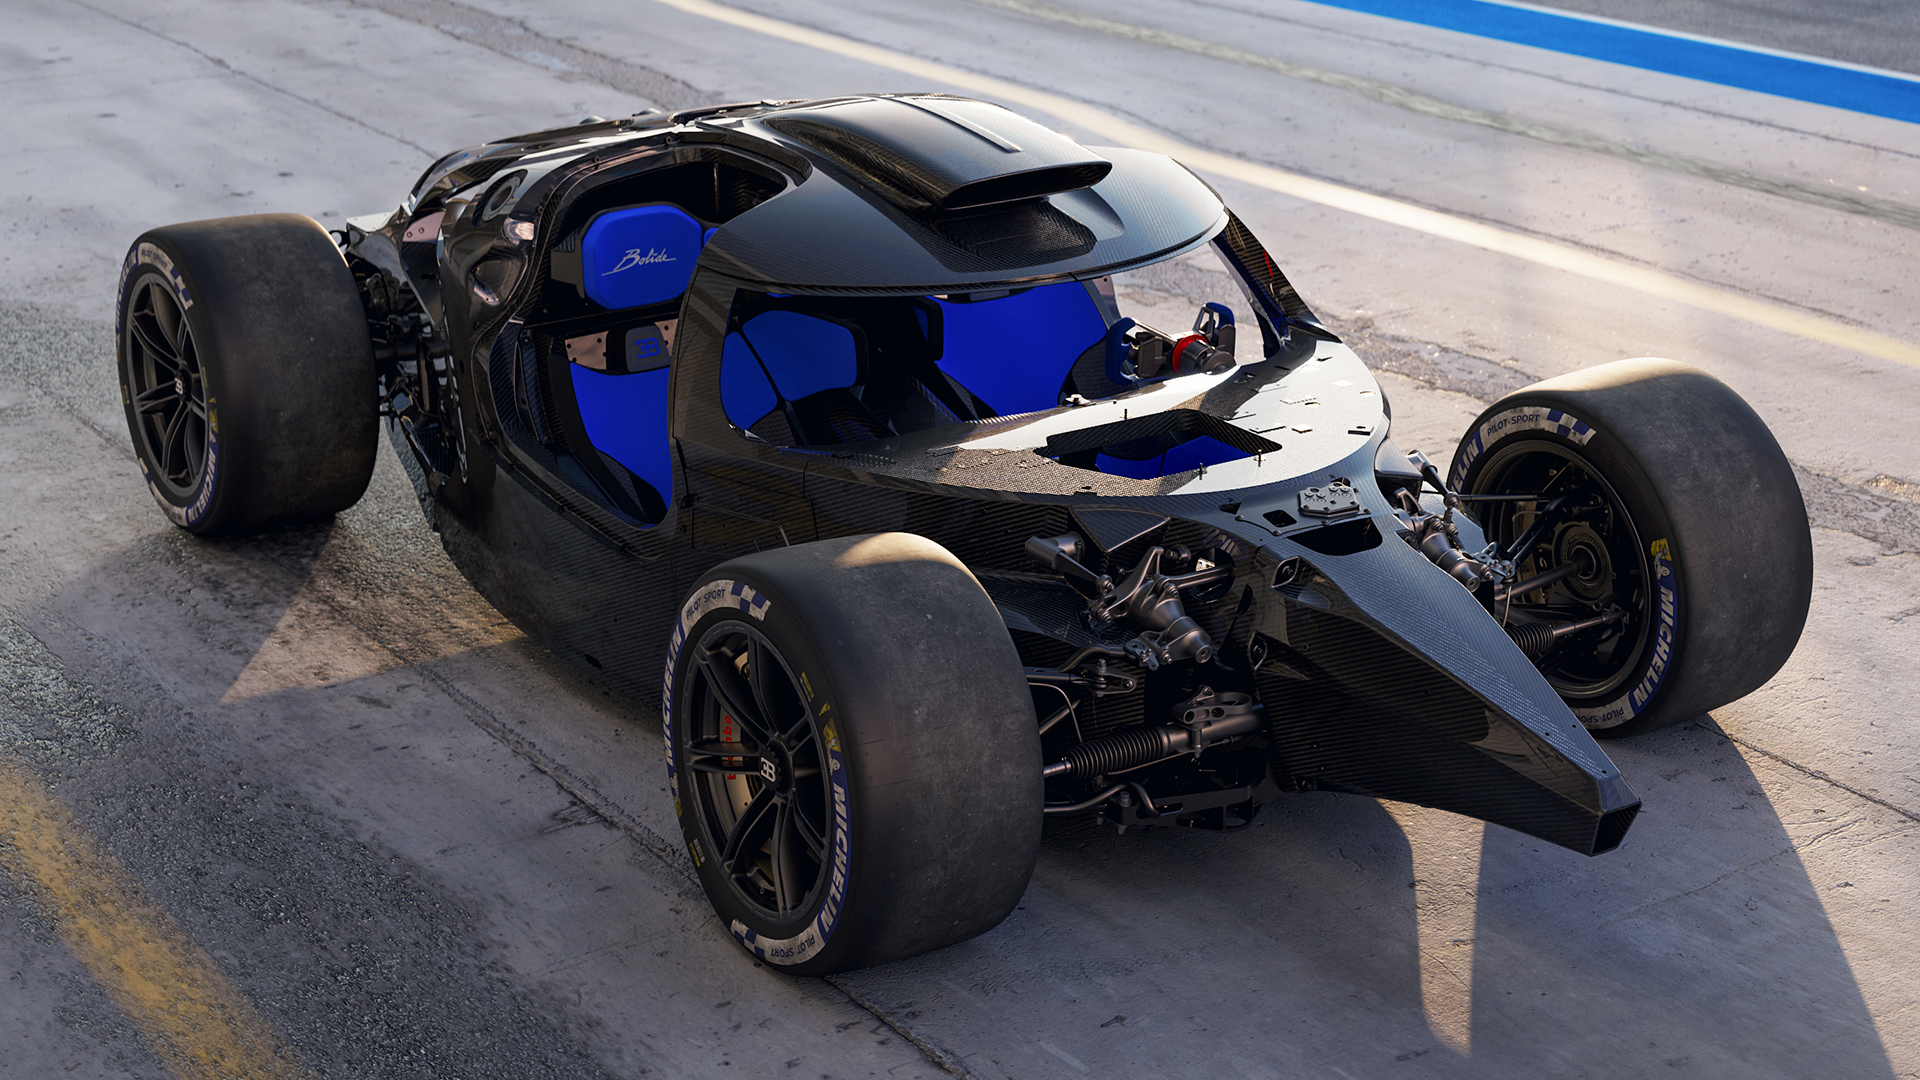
(940, 475)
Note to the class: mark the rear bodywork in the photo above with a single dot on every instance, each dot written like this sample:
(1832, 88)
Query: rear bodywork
(878, 333)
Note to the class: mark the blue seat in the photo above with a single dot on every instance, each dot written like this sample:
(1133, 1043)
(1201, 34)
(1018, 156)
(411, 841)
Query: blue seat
(634, 257)
(804, 360)
(968, 359)
(1014, 352)
(626, 419)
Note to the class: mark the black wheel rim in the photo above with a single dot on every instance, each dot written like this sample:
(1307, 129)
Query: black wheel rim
(758, 774)
(1590, 666)
(166, 389)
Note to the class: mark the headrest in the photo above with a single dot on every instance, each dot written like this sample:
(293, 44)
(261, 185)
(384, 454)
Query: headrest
(639, 255)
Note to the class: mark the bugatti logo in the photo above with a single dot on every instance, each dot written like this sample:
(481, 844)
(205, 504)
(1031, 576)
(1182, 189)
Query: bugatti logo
(769, 770)
(636, 257)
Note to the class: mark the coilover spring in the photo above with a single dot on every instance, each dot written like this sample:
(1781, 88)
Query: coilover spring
(1119, 751)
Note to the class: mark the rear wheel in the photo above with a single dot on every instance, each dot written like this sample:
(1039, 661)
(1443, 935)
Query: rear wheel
(246, 372)
(854, 752)
(1677, 558)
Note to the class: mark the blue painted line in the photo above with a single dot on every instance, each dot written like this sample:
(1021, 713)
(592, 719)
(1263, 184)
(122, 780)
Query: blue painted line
(1803, 78)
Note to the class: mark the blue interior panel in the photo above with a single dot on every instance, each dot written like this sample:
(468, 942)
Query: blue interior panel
(626, 419)
(1014, 353)
(804, 354)
(640, 255)
(1141, 469)
(745, 393)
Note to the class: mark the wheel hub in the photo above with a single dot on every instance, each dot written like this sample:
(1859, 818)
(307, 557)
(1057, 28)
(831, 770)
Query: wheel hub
(1600, 548)
(1578, 543)
(776, 768)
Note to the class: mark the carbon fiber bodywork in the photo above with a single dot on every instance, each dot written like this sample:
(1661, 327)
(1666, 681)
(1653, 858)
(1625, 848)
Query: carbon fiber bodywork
(1378, 673)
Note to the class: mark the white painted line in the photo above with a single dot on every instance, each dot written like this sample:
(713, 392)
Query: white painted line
(1558, 256)
(1724, 43)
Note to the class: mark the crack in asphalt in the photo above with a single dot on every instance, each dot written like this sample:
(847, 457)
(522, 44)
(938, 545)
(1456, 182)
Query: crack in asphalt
(1414, 101)
(1822, 837)
(1695, 891)
(514, 39)
(1863, 510)
(936, 1053)
(1822, 776)
(252, 78)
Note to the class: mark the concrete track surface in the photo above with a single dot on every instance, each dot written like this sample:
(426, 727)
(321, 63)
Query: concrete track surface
(315, 768)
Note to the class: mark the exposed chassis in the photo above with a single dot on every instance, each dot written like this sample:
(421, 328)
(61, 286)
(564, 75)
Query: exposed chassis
(823, 422)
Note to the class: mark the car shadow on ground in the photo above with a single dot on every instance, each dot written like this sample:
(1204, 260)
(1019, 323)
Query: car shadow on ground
(1336, 936)
(1341, 936)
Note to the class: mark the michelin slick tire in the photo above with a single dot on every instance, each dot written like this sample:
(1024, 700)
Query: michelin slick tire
(247, 372)
(1690, 531)
(855, 760)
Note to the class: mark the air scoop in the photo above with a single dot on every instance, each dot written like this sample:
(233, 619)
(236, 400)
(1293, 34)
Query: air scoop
(947, 153)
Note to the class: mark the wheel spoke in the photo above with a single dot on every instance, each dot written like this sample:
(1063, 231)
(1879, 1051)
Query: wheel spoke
(755, 764)
(156, 399)
(816, 842)
(724, 758)
(757, 665)
(167, 315)
(762, 670)
(735, 696)
(799, 730)
(153, 339)
(748, 833)
(173, 443)
(785, 875)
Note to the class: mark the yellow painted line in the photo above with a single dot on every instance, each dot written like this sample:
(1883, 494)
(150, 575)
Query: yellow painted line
(1549, 253)
(198, 1023)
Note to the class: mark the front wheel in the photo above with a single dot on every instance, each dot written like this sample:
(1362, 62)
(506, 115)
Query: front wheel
(246, 372)
(853, 749)
(1665, 527)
